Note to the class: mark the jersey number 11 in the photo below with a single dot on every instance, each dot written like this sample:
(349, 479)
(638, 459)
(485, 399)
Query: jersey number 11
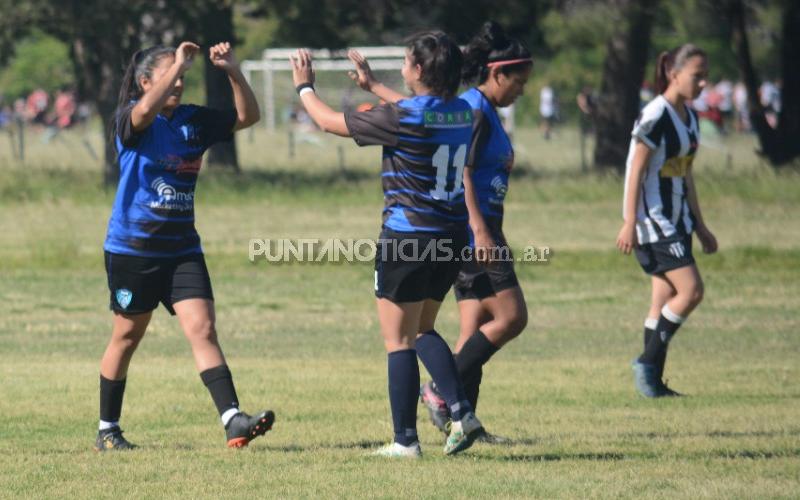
(441, 160)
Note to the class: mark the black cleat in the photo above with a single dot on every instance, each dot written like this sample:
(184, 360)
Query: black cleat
(243, 428)
(486, 437)
(669, 392)
(437, 407)
(112, 440)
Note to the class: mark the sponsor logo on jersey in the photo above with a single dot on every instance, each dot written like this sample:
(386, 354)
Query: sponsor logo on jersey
(677, 167)
(500, 187)
(174, 163)
(450, 119)
(171, 198)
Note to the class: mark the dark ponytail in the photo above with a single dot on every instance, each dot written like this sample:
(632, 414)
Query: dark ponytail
(673, 60)
(141, 65)
(491, 45)
(440, 59)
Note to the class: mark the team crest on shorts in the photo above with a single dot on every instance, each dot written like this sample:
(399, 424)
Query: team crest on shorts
(124, 297)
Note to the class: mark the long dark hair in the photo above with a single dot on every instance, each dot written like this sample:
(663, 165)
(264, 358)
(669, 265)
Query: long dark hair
(491, 45)
(440, 59)
(673, 60)
(141, 65)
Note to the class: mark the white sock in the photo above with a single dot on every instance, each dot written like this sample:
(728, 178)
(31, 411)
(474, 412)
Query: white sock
(671, 316)
(228, 415)
(107, 425)
(651, 323)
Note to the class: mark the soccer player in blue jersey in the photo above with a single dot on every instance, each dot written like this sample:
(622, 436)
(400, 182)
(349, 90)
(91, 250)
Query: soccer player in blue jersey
(425, 139)
(490, 300)
(661, 208)
(152, 250)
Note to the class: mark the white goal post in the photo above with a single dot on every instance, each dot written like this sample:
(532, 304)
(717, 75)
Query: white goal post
(380, 59)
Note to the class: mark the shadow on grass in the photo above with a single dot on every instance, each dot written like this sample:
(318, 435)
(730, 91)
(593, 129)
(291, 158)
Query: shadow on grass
(616, 456)
(712, 434)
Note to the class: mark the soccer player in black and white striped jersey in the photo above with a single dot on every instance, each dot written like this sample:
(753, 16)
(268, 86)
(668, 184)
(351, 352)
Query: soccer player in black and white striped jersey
(661, 210)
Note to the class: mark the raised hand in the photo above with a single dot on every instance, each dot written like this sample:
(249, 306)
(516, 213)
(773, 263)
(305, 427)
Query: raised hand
(363, 74)
(302, 68)
(222, 57)
(184, 54)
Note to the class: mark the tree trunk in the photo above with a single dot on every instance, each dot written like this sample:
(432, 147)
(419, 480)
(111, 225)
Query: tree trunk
(218, 27)
(779, 145)
(623, 72)
(98, 66)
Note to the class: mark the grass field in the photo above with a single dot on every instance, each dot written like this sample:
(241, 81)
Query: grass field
(303, 339)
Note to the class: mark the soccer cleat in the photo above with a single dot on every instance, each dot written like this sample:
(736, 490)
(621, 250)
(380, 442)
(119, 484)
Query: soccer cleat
(669, 392)
(647, 381)
(397, 450)
(462, 434)
(436, 405)
(243, 428)
(111, 440)
(486, 437)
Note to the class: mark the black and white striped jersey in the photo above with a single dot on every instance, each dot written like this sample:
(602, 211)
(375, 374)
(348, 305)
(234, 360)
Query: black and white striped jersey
(663, 210)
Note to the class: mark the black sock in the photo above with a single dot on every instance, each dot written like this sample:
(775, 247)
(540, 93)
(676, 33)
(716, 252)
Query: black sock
(111, 393)
(219, 382)
(403, 394)
(472, 385)
(648, 334)
(438, 360)
(475, 353)
(655, 352)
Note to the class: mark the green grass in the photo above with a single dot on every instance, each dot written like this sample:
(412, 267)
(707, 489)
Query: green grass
(303, 339)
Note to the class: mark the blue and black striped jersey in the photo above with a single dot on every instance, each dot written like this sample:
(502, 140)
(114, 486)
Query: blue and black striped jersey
(425, 143)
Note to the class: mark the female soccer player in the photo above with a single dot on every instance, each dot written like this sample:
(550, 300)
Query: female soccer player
(661, 210)
(152, 250)
(425, 140)
(490, 300)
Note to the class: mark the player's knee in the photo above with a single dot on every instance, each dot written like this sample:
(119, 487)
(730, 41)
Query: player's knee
(128, 340)
(514, 323)
(517, 322)
(696, 294)
(202, 330)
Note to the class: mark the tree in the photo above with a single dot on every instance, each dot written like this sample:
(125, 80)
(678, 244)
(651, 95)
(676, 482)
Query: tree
(623, 72)
(217, 26)
(779, 145)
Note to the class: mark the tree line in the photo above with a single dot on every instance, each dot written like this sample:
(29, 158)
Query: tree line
(609, 44)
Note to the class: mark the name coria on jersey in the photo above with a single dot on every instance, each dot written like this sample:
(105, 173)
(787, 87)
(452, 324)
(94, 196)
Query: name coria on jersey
(447, 119)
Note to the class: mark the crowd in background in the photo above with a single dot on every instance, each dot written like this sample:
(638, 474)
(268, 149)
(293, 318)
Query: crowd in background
(58, 111)
(724, 105)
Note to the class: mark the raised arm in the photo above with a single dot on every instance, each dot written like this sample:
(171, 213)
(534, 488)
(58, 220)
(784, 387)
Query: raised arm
(366, 80)
(247, 112)
(326, 118)
(626, 239)
(153, 101)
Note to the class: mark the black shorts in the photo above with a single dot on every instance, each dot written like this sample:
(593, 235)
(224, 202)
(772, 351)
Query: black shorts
(665, 255)
(138, 284)
(410, 267)
(476, 281)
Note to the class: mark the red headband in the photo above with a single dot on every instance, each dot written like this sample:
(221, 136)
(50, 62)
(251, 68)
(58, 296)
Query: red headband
(509, 61)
